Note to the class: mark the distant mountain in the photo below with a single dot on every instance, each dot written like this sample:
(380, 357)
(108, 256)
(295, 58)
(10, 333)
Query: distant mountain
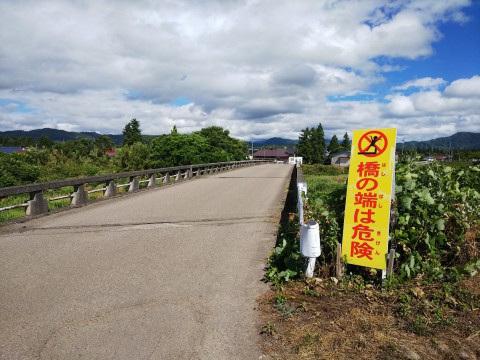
(58, 135)
(276, 141)
(459, 141)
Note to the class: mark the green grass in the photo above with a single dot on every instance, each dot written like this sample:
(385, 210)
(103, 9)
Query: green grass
(14, 213)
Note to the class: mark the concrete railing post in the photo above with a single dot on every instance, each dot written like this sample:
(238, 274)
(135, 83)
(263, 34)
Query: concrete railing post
(166, 180)
(152, 181)
(134, 184)
(179, 175)
(190, 173)
(111, 189)
(80, 195)
(37, 205)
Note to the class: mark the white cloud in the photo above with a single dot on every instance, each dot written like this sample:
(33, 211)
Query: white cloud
(259, 68)
(464, 88)
(423, 83)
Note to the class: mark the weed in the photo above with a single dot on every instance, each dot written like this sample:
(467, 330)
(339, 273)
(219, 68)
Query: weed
(404, 302)
(310, 292)
(420, 325)
(286, 310)
(303, 306)
(280, 298)
(269, 329)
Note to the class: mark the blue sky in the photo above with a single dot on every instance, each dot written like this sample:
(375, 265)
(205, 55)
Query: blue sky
(259, 68)
(456, 55)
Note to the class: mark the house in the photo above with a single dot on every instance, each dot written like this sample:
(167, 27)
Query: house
(272, 154)
(341, 159)
(11, 149)
(295, 160)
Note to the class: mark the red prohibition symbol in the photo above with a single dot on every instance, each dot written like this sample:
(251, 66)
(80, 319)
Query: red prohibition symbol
(372, 143)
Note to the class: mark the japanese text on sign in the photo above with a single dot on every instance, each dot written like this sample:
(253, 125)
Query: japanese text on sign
(367, 207)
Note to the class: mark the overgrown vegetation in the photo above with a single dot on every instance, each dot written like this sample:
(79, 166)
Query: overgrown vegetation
(50, 161)
(434, 292)
(86, 157)
(435, 231)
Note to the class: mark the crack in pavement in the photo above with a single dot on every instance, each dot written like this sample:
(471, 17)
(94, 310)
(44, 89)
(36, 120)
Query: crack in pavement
(138, 226)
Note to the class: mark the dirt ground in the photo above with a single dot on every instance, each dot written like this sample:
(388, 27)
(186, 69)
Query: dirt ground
(326, 319)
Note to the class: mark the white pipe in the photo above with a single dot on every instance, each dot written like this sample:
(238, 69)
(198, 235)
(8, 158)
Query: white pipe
(310, 267)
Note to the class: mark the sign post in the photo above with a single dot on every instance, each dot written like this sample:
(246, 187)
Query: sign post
(370, 188)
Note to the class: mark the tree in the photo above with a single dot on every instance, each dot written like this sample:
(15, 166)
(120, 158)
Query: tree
(132, 157)
(104, 143)
(318, 145)
(304, 146)
(18, 169)
(178, 149)
(45, 142)
(334, 145)
(311, 145)
(132, 133)
(222, 147)
(346, 142)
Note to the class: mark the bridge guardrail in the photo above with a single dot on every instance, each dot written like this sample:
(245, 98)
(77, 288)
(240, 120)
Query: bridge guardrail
(38, 205)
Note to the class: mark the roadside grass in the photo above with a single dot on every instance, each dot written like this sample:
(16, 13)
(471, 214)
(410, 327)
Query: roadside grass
(13, 213)
(336, 321)
(358, 317)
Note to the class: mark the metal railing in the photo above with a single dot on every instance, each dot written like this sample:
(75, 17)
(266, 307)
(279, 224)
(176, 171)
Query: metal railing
(38, 205)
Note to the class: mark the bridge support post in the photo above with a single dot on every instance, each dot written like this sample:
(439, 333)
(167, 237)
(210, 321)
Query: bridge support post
(190, 173)
(111, 189)
(37, 205)
(134, 184)
(166, 180)
(80, 195)
(178, 176)
(152, 181)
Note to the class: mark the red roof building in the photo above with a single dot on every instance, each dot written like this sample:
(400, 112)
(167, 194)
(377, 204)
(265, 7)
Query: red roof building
(272, 154)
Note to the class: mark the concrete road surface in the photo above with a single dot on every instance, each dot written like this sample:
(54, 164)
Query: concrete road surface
(169, 273)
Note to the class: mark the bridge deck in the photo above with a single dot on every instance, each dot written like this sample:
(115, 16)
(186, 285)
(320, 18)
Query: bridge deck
(170, 273)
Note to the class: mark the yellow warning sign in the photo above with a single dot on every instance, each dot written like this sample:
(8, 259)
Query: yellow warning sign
(367, 208)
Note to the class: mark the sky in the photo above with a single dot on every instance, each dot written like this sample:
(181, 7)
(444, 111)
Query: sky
(258, 68)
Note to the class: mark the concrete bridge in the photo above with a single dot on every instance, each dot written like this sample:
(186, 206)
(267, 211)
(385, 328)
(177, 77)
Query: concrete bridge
(168, 273)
